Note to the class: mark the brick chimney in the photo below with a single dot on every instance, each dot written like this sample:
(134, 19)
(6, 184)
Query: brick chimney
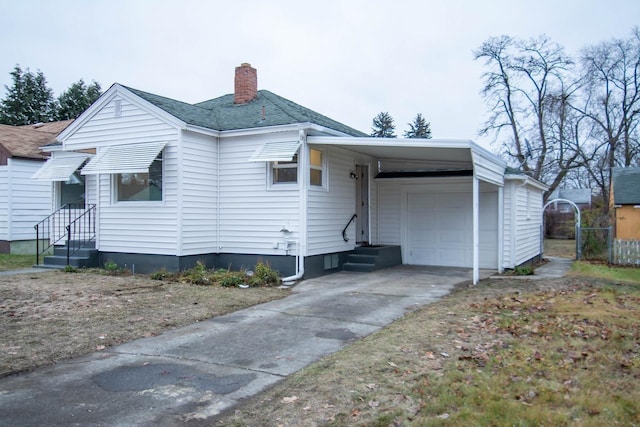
(246, 84)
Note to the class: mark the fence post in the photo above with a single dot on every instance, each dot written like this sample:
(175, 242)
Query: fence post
(609, 245)
(578, 242)
(37, 245)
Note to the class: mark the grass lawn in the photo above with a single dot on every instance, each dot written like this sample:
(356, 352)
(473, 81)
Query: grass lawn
(14, 262)
(562, 352)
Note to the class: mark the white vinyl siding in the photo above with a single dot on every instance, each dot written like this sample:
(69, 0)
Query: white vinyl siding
(329, 211)
(4, 202)
(141, 227)
(132, 227)
(198, 194)
(251, 216)
(522, 222)
(388, 213)
(24, 201)
(135, 125)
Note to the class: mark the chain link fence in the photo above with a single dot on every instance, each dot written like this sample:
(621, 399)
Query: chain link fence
(594, 244)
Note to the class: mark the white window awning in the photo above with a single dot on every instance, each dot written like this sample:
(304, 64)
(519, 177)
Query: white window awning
(282, 151)
(59, 169)
(129, 158)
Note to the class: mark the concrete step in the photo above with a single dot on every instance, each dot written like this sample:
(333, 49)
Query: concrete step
(362, 259)
(360, 267)
(83, 252)
(371, 258)
(54, 261)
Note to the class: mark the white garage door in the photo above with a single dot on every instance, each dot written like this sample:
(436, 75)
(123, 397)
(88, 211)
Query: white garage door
(440, 230)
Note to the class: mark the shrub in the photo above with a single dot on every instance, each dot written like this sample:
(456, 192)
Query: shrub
(197, 275)
(112, 269)
(110, 266)
(70, 269)
(162, 274)
(523, 270)
(233, 278)
(264, 275)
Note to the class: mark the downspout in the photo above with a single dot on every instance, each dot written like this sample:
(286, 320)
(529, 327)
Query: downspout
(301, 243)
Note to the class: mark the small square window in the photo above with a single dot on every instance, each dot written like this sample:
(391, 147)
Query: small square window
(285, 172)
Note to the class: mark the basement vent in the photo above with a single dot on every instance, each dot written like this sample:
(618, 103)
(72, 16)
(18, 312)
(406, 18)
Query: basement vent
(331, 261)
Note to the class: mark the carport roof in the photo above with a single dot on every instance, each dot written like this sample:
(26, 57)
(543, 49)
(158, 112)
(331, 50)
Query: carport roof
(423, 155)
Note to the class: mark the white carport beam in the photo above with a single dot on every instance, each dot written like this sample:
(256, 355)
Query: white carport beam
(476, 231)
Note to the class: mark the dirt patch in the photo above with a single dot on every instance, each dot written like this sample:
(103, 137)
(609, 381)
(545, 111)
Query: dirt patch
(46, 317)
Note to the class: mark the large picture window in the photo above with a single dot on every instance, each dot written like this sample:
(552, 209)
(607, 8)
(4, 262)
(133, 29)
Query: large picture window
(285, 172)
(141, 187)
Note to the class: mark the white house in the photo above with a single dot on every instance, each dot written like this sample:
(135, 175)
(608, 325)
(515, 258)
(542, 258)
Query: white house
(252, 175)
(23, 201)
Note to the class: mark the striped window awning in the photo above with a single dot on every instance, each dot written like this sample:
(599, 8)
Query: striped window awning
(282, 151)
(59, 169)
(127, 158)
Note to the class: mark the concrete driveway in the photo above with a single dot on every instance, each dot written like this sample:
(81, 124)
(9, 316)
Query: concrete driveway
(189, 375)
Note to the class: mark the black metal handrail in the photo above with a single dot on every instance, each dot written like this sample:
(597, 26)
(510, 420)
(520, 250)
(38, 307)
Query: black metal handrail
(81, 231)
(344, 230)
(53, 228)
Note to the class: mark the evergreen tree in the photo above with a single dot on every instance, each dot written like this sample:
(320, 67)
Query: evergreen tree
(383, 126)
(77, 98)
(420, 128)
(29, 100)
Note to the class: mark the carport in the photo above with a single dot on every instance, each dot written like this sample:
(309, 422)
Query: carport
(441, 200)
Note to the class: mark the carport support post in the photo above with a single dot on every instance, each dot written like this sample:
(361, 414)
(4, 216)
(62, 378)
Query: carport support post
(476, 231)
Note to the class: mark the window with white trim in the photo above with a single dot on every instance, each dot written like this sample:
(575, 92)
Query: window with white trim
(72, 191)
(285, 172)
(316, 167)
(141, 187)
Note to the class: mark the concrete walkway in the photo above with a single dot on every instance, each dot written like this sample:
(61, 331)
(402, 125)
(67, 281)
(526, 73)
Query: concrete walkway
(555, 267)
(188, 375)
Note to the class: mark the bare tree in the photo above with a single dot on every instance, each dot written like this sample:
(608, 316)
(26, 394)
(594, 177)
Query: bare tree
(528, 88)
(611, 102)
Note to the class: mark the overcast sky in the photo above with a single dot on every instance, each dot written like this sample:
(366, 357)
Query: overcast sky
(348, 60)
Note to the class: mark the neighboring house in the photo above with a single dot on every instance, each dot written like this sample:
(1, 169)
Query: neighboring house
(580, 196)
(625, 202)
(253, 176)
(23, 202)
(560, 216)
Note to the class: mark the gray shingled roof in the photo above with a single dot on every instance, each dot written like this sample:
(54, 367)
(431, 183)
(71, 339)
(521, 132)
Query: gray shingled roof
(267, 109)
(626, 186)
